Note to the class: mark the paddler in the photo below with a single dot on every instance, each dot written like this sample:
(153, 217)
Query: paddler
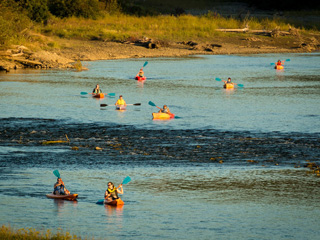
(141, 73)
(59, 188)
(228, 82)
(112, 192)
(165, 109)
(121, 102)
(279, 63)
(97, 89)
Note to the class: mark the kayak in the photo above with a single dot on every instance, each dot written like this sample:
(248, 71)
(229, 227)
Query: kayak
(116, 202)
(121, 107)
(140, 78)
(278, 67)
(228, 86)
(99, 95)
(71, 197)
(162, 116)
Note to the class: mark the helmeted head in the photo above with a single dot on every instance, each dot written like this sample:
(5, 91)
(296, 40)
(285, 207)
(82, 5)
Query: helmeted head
(229, 79)
(164, 106)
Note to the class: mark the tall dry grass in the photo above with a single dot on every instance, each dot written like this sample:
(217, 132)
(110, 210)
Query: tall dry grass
(169, 28)
(31, 234)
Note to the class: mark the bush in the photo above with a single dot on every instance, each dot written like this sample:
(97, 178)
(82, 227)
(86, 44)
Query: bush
(37, 10)
(12, 22)
(78, 8)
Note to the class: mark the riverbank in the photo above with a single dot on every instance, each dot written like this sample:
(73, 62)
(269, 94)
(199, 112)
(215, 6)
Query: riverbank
(52, 49)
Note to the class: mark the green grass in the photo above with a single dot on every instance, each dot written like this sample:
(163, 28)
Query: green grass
(31, 234)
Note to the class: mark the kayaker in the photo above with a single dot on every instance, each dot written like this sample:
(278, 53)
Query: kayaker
(228, 81)
(141, 73)
(59, 188)
(121, 101)
(279, 63)
(112, 192)
(165, 109)
(97, 89)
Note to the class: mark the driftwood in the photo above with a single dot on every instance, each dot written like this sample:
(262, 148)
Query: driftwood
(247, 30)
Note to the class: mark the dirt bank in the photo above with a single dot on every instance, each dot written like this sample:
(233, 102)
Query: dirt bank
(84, 50)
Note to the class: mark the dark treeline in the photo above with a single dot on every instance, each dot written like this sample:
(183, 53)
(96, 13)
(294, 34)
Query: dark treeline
(40, 10)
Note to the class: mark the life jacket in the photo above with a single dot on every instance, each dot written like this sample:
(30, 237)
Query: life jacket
(120, 102)
(113, 193)
(96, 91)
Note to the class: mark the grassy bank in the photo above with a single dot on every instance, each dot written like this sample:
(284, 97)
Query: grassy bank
(31, 234)
(167, 28)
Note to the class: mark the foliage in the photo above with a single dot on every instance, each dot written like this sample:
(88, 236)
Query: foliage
(37, 10)
(78, 8)
(12, 22)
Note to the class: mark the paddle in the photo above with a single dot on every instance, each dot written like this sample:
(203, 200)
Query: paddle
(219, 79)
(145, 64)
(134, 104)
(56, 173)
(154, 105)
(287, 60)
(109, 94)
(126, 180)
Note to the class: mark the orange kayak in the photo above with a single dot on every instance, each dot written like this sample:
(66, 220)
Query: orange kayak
(70, 197)
(278, 67)
(162, 116)
(116, 202)
(228, 86)
(99, 95)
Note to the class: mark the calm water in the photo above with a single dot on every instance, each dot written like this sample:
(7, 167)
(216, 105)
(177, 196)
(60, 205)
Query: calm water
(191, 176)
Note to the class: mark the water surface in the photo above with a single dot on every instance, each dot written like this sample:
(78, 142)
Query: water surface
(230, 167)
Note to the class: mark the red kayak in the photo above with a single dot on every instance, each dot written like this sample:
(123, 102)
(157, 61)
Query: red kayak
(70, 197)
(138, 78)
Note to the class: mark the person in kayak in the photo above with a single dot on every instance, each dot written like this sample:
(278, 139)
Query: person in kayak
(279, 63)
(112, 192)
(97, 89)
(165, 109)
(121, 101)
(59, 188)
(141, 73)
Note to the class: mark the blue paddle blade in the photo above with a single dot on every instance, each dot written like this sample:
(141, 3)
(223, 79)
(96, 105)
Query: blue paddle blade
(151, 103)
(145, 64)
(240, 85)
(126, 180)
(218, 79)
(288, 60)
(101, 201)
(56, 173)
(272, 63)
(83, 93)
(177, 117)
(111, 94)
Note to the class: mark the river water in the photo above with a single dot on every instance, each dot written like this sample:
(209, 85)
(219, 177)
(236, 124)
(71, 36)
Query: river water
(230, 166)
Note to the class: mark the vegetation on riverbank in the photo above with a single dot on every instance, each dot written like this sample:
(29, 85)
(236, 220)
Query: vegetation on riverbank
(29, 26)
(31, 234)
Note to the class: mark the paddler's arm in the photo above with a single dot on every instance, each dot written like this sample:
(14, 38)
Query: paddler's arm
(120, 189)
(106, 194)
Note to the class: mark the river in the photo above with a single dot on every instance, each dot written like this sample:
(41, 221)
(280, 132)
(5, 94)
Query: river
(231, 165)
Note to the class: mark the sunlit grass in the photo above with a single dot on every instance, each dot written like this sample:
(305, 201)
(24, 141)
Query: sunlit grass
(31, 234)
(170, 28)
